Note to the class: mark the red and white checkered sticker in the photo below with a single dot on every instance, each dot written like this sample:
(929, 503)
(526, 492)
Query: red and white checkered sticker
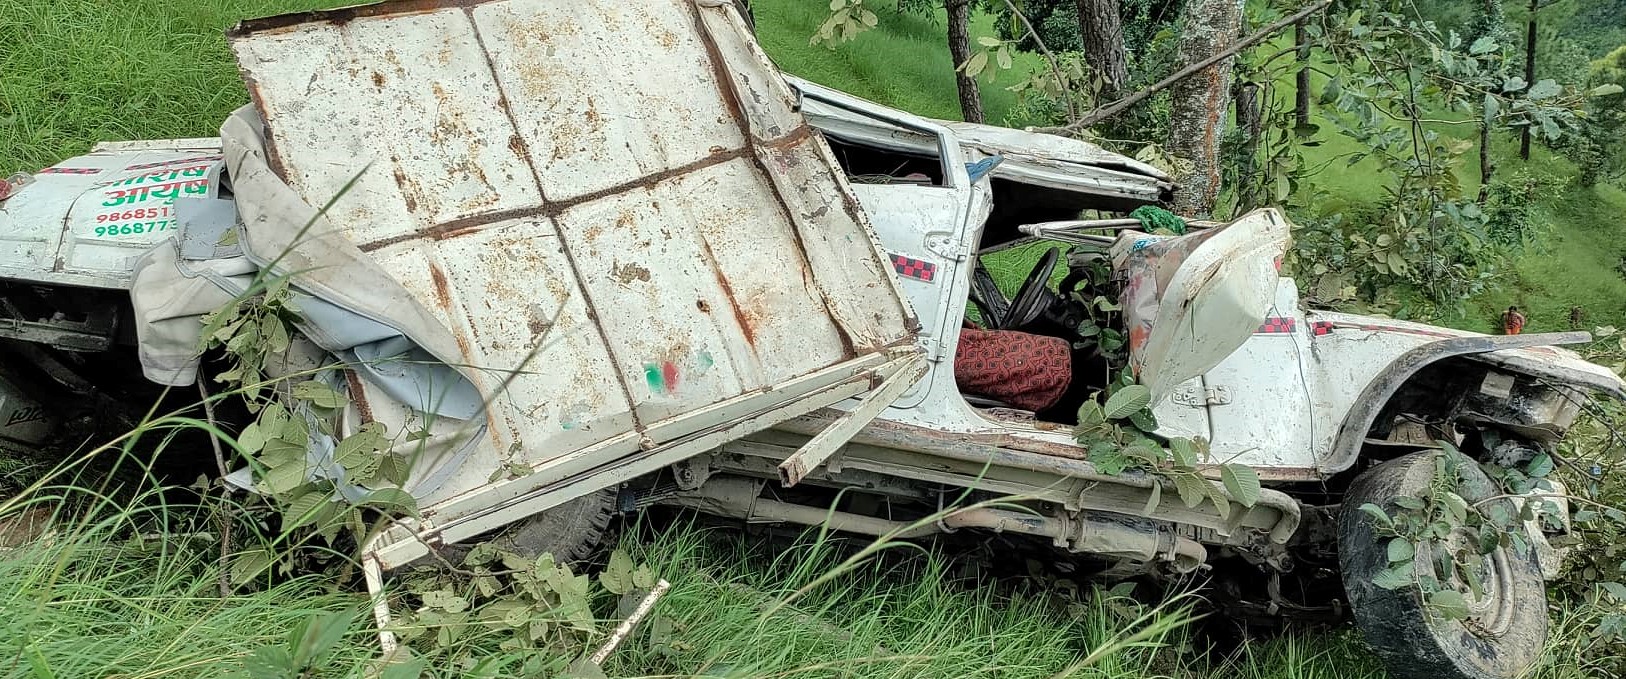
(918, 269)
(71, 170)
(1277, 326)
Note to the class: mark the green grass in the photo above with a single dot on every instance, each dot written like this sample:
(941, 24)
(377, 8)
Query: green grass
(904, 62)
(88, 601)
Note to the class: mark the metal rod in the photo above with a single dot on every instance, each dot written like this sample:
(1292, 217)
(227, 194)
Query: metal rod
(626, 626)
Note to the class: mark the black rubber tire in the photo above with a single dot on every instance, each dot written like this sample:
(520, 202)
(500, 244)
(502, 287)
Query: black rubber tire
(1413, 643)
(570, 532)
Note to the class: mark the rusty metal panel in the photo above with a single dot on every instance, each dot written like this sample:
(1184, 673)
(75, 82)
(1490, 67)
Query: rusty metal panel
(614, 207)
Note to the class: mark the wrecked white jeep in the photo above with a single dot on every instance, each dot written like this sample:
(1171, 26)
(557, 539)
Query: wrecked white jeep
(561, 282)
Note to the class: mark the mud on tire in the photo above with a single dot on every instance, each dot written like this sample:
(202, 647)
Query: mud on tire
(1508, 628)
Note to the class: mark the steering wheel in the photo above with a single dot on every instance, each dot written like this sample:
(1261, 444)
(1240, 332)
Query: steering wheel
(1033, 298)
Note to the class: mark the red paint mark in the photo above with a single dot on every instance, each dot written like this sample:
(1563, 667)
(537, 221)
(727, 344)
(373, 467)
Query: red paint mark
(669, 374)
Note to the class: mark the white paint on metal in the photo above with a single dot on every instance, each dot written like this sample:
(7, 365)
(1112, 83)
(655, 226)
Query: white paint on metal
(85, 220)
(629, 257)
(1028, 157)
(1207, 301)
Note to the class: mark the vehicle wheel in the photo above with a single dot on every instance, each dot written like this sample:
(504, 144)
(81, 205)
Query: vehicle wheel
(570, 532)
(1506, 628)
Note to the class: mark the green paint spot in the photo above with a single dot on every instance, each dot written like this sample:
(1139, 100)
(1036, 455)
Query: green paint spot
(705, 360)
(652, 375)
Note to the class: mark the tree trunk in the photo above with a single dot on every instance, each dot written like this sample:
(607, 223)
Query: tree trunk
(1197, 105)
(1101, 28)
(1486, 169)
(1529, 73)
(1248, 120)
(1301, 100)
(959, 43)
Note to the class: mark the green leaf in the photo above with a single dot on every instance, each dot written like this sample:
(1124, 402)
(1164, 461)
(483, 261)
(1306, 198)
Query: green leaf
(1091, 414)
(247, 566)
(270, 662)
(1615, 590)
(320, 635)
(1379, 517)
(446, 600)
(1184, 452)
(1401, 550)
(358, 448)
(1222, 504)
(836, 5)
(396, 469)
(1193, 489)
(1144, 420)
(1108, 459)
(1152, 500)
(1409, 502)
(1449, 604)
(868, 18)
(643, 578)
(285, 477)
(393, 499)
(276, 337)
(1493, 106)
(1455, 506)
(1003, 58)
(252, 439)
(1242, 482)
(303, 509)
(1606, 89)
(318, 394)
(1395, 577)
(1484, 45)
(1147, 452)
(410, 669)
(987, 41)
(617, 576)
(1334, 87)
(1126, 401)
(975, 64)
(1545, 88)
(1540, 465)
(584, 669)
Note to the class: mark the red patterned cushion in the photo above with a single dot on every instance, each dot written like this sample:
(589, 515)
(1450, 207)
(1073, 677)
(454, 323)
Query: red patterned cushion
(1030, 372)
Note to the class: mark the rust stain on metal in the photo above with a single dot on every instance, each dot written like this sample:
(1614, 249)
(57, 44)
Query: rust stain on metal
(472, 223)
(731, 96)
(747, 327)
(378, 79)
(285, 22)
(272, 158)
(443, 290)
(702, 306)
(408, 189)
(536, 323)
(386, 242)
(627, 273)
(358, 396)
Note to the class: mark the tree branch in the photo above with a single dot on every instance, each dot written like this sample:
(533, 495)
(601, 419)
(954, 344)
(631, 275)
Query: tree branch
(1119, 106)
(1055, 66)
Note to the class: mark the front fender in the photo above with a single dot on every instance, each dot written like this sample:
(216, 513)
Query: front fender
(1369, 403)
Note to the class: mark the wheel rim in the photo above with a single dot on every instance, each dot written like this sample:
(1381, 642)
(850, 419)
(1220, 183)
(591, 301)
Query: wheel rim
(1490, 614)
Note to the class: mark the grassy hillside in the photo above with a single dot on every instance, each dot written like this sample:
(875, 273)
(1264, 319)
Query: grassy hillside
(904, 62)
